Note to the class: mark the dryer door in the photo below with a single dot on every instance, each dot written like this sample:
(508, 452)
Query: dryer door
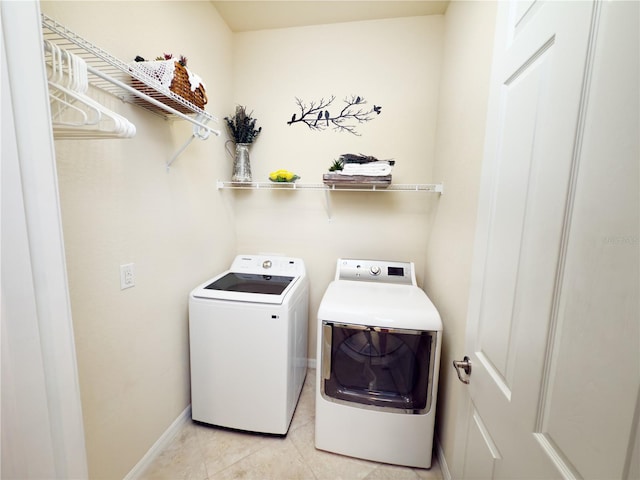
(378, 368)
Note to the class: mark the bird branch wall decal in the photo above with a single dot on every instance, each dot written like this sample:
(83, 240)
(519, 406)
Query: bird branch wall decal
(316, 115)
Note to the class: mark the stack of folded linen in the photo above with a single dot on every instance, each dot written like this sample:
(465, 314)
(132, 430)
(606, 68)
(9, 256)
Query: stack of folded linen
(360, 171)
(371, 169)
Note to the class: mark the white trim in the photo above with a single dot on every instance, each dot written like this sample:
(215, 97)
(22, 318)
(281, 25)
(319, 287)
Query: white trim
(163, 442)
(442, 461)
(311, 363)
(45, 258)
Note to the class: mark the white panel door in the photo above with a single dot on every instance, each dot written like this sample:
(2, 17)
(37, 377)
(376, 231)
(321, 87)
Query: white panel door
(553, 331)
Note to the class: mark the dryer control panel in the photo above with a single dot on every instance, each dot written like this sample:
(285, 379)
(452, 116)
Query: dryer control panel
(382, 271)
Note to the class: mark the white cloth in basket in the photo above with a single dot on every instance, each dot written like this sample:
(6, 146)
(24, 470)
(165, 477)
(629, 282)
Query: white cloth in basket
(162, 71)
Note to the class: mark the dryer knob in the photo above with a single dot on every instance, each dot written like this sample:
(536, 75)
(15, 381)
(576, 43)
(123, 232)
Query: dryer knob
(266, 264)
(375, 270)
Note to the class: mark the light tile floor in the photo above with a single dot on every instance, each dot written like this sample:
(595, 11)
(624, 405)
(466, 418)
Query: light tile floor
(201, 452)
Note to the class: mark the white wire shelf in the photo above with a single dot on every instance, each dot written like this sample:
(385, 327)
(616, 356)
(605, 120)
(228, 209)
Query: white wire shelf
(327, 189)
(114, 76)
(399, 187)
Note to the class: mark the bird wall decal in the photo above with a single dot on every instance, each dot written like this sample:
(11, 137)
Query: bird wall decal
(346, 120)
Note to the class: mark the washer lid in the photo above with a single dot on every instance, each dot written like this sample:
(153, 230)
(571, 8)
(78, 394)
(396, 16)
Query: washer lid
(255, 279)
(246, 287)
(379, 305)
(251, 283)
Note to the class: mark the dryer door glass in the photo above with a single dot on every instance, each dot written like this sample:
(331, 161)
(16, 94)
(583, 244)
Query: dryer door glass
(378, 367)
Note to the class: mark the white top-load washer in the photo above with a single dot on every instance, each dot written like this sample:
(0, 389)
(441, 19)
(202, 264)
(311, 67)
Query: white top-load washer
(379, 340)
(248, 338)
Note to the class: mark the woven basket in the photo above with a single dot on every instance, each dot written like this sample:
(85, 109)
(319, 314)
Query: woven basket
(356, 181)
(181, 86)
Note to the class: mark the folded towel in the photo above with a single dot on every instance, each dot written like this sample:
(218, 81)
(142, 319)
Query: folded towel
(372, 169)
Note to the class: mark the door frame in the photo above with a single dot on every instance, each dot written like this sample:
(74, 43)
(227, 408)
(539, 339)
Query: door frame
(40, 305)
(488, 171)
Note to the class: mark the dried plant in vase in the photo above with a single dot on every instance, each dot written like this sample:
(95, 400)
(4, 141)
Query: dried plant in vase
(242, 128)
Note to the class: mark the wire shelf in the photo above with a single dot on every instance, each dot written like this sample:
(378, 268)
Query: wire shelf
(327, 189)
(400, 187)
(115, 77)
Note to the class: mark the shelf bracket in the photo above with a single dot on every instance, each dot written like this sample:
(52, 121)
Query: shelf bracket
(199, 131)
(327, 203)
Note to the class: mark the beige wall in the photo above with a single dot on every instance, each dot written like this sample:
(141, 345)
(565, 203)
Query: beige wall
(468, 44)
(394, 63)
(120, 205)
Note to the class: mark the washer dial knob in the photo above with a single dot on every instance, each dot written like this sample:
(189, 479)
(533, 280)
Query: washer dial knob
(375, 270)
(266, 264)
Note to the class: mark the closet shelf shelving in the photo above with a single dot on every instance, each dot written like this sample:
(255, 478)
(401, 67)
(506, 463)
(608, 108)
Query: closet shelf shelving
(400, 187)
(114, 76)
(327, 189)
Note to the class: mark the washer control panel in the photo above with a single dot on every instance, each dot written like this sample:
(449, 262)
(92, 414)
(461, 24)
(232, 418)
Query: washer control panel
(268, 265)
(382, 271)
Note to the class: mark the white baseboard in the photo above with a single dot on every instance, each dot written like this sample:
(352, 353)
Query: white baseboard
(444, 468)
(160, 445)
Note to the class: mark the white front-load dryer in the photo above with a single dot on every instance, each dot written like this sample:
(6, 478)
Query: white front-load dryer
(379, 340)
(248, 344)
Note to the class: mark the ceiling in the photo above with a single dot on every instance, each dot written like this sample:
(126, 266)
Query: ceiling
(248, 15)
